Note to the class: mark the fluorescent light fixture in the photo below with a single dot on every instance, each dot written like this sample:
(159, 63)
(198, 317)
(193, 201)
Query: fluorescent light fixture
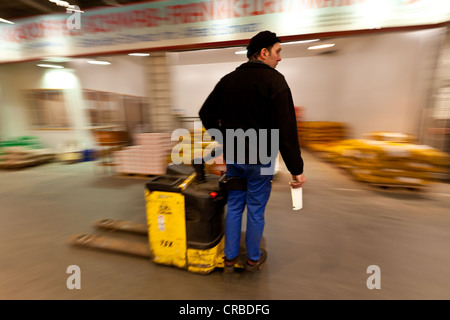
(284, 43)
(321, 46)
(300, 41)
(50, 66)
(139, 54)
(71, 9)
(98, 62)
(56, 59)
(67, 5)
(6, 21)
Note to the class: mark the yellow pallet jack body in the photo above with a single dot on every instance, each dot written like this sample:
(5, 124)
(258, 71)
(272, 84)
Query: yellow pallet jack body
(166, 229)
(167, 235)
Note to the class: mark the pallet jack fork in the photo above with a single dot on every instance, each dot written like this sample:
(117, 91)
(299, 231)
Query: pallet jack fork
(109, 243)
(185, 210)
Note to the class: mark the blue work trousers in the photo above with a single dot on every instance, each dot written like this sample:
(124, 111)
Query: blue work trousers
(255, 198)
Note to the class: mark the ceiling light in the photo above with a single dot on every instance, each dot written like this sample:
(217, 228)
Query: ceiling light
(66, 5)
(6, 21)
(139, 54)
(56, 59)
(241, 52)
(321, 46)
(50, 66)
(301, 41)
(98, 62)
(71, 9)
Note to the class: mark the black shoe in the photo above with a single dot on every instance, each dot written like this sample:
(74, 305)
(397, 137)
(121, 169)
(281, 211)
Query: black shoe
(252, 266)
(229, 265)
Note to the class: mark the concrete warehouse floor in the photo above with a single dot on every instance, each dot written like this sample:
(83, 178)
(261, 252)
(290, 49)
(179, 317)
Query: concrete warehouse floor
(320, 252)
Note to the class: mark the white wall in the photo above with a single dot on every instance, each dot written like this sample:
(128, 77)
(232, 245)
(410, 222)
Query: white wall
(13, 117)
(191, 84)
(15, 78)
(373, 83)
(377, 82)
(124, 76)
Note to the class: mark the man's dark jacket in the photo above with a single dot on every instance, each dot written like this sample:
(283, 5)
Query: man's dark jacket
(256, 96)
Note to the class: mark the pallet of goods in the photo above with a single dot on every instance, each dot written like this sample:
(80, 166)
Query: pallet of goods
(149, 155)
(23, 151)
(21, 157)
(387, 163)
(391, 136)
(314, 134)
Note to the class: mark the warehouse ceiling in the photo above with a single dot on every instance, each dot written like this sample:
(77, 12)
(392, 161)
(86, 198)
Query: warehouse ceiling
(15, 9)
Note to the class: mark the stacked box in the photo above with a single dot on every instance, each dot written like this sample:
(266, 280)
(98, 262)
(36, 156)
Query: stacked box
(149, 156)
(312, 133)
(299, 113)
(71, 153)
(389, 163)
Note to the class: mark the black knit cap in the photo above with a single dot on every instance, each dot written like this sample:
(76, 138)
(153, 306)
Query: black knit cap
(262, 40)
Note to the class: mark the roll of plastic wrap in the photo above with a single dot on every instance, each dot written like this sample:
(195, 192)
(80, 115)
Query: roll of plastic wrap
(297, 198)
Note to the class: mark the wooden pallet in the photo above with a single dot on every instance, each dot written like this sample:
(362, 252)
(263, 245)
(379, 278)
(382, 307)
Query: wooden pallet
(388, 187)
(23, 164)
(134, 175)
(397, 187)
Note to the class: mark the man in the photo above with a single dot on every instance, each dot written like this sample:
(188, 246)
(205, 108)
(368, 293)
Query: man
(255, 100)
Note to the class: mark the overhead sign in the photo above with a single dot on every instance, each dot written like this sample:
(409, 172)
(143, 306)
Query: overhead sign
(170, 23)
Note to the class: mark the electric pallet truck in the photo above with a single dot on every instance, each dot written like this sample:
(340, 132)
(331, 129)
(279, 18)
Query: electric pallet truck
(185, 221)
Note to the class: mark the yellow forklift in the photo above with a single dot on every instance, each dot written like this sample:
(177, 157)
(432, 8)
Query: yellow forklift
(185, 221)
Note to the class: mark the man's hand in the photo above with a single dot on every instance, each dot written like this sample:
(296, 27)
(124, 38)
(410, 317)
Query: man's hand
(297, 181)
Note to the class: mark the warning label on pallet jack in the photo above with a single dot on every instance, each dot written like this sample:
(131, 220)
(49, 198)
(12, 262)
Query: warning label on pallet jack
(161, 223)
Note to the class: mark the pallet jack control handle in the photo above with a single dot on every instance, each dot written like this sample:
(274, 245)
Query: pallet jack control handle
(199, 164)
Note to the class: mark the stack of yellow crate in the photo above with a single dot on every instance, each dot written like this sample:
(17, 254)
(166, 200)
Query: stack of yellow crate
(389, 163)
(316, 135)
(391, 136)
(196, 144)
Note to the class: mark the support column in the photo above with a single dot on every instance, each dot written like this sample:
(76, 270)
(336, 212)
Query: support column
(160, 112)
